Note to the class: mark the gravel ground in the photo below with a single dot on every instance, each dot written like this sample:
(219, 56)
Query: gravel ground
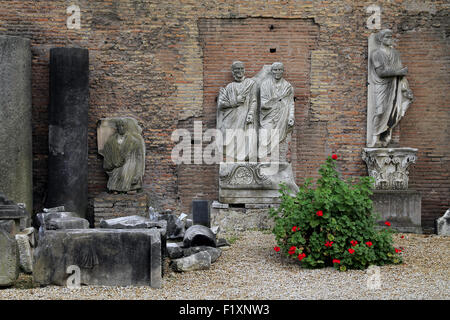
(251, 269)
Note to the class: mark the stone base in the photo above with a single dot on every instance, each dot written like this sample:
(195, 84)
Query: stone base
(254, 182)
(402, 208)
(110, 205)
(232, 219)
(106, 257)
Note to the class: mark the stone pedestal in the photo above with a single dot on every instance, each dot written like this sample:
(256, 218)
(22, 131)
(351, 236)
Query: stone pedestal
(402, 208)
(234, 219)
(15, 120)
(110, 205)
(254, 182)
(68, 125)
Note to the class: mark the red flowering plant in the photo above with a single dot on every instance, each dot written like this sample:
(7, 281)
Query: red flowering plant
(334, 224)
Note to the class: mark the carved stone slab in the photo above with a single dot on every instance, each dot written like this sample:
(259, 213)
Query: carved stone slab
(254, 182)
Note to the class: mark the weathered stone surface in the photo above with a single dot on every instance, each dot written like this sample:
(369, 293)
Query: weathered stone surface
(200, 212)
(9, 259)
(54, 209)
(25, 252)
(68, 125)
(402, 208)
(213, 252)
(9, 226)
(199, 235)
(443, 224)
(111, 257)
(15, 120)
(197, 261)
(67, 223)
(388, 95)
(131, 222)
(174, 251)
(241, 219)
(175, 227)
(189, 223)
(11, 211)
(389, 166)
(254, 182)
(121, 144)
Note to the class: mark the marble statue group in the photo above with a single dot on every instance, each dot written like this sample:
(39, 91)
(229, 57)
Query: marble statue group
(249, 129)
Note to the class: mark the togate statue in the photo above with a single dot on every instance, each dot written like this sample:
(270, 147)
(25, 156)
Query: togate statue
(389, 94)
(236, 108)
(277, 112)
(123, 148)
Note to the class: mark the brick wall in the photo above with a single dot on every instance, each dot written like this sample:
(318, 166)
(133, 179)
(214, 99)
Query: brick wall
(151, 60)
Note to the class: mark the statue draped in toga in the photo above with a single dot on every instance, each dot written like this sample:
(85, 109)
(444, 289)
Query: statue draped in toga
(124, 158)
(237, 104)
(389, 93)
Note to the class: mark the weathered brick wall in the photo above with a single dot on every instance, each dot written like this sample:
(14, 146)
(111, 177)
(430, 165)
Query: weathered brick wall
(149, 60)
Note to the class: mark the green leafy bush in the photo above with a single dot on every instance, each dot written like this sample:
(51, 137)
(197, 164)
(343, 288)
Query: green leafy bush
(332, 224)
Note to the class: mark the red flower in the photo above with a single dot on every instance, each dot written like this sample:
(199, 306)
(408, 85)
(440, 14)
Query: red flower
(336, 261)
(328, 244)
(334, 157)
(402, 236)
(295, 228)
(387, 223)
(397, 250)
(351, 251)
(277, 249)
(292, 250)
(301, 256)
(319, 213)
(354, 242)
(369, 244)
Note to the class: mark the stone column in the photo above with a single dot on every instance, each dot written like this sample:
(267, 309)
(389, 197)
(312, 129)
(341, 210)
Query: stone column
(15, 120)
(68, 125)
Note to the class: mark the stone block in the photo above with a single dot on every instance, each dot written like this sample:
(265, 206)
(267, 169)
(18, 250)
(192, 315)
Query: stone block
(402, 208)
(106, 257)
(197, 261)
(174, 251)
(131, 222)
(25, 253)
(9, 259)
(213, 252)
(175, 227)
(67, 223)
(241, 219)
(200, 213)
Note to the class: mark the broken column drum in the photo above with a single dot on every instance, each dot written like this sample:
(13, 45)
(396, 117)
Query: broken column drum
(68, 123)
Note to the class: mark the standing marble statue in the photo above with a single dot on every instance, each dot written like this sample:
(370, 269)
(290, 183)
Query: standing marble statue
(389, 95)
(124, 153)
(237, 104)
(277, 112)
